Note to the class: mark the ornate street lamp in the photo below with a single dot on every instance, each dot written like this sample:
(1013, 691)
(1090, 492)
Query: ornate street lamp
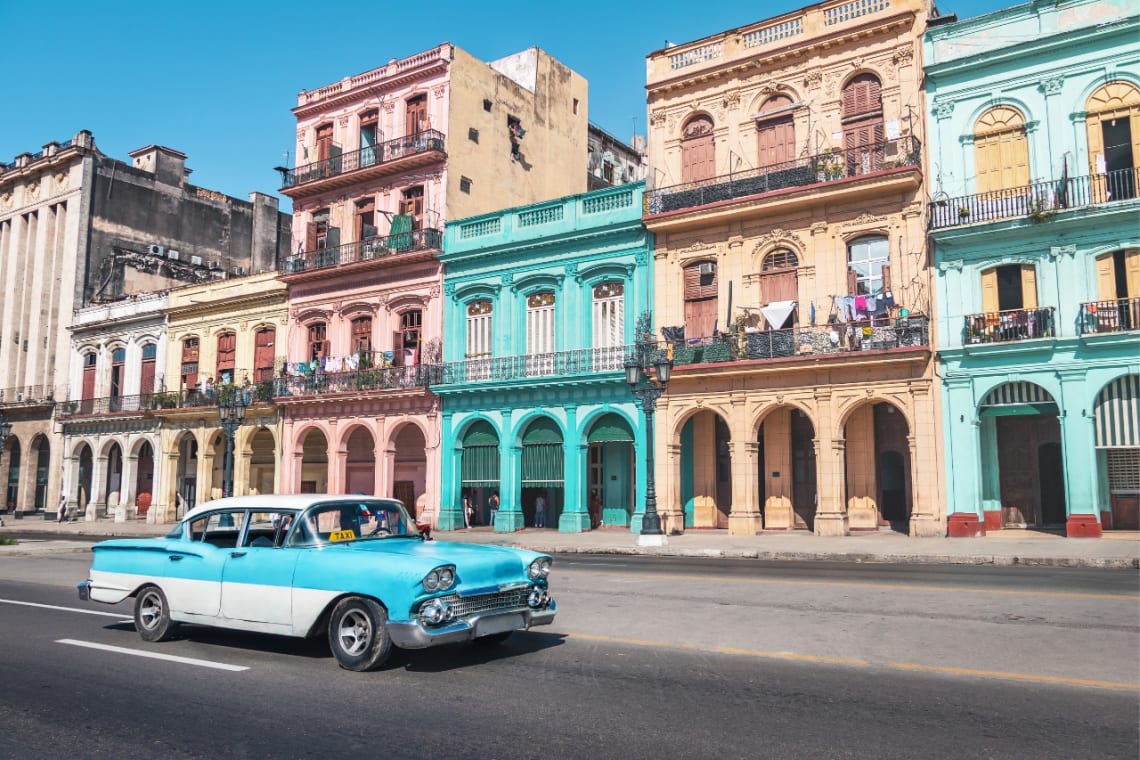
(5, 430)
(648, 375)
(231, 412)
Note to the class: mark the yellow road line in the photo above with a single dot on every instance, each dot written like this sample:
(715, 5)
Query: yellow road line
(1000, 675)
(857, 584)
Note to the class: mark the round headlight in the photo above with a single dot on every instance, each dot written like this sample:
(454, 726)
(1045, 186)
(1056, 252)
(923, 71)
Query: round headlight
(431, 581)
(446, 578)
(538, 569)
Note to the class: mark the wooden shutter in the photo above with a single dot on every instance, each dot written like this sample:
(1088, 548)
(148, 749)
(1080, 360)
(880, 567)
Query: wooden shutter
(852, 282)
(698, 154)
(1028, 286)
(1131, 273)
(227, 354)
(398, 348)
(311, 236)
(88, 383)
(1105, 278)
(886, 275)
(146, 381)
(693, 287)
(416, 114)
(263, 354)
(324, 141)
(700, 318)
(780, 285)
(990, 291)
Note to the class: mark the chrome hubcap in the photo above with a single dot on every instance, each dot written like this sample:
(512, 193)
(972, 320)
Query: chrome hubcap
(150, 610)
(354, 632)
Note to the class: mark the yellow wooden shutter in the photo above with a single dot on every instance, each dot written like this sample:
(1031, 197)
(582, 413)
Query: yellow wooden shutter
(1105, 278)
(1015, 159)
(1028, 286)
(987, 164)
(1131, 273)
(989, 291)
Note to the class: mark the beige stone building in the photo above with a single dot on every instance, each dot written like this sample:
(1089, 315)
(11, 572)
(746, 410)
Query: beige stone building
(222, 339)
(791, 274)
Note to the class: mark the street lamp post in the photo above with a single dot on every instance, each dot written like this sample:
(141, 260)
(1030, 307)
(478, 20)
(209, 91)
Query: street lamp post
(231, 412)
(5, 431)
(648, 376)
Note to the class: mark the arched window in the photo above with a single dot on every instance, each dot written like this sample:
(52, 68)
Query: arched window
(777, 132)
(318, 341)
(369, 132)
(147, 374)
(540, 333)
(862, 118)
(264, 356)
(118, 360)
(698, 154)
(608, 319)
(407, 340)
(479, 323)
(416, 115)
(868, 270)
(90, 362)
(700, 299)
(1113, 128)
(362, 335)
(1001, 153)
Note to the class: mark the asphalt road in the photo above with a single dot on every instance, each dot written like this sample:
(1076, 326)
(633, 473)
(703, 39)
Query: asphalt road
(647, 659)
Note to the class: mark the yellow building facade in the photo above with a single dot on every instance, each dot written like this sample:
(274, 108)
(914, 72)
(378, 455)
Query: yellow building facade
(791, 275)
(222, 339)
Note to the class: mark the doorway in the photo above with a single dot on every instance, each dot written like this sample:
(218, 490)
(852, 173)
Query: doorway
(1050, 464)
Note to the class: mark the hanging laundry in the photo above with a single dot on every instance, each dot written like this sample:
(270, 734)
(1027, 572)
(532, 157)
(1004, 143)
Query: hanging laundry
(777, 313)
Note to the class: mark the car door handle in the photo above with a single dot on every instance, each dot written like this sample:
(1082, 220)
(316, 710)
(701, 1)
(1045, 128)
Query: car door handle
(237, 554)
(175, 557)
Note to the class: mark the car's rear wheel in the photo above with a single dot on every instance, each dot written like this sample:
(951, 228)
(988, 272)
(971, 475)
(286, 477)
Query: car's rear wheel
(152, 615)
(358, 634)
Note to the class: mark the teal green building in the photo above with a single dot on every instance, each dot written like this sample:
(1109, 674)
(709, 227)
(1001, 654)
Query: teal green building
(541, 304)
(1034, 144)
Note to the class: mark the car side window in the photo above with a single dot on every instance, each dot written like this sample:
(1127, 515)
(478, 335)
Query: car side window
(222, 529)
(268, 529)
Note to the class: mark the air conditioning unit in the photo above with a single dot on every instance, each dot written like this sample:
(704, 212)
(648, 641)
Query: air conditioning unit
(706, 267)
(173, 254)
(155, 250)
(196, 260)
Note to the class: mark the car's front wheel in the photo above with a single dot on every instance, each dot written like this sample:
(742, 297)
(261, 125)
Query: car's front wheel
(358, 634)
(152, 615)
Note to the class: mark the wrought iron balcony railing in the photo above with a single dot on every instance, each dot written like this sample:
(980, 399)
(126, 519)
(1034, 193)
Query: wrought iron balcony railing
(27, 395)
(358, 381)
(385, 152)
(1120, 315)
(836, 166)
(89, 407)
(1038, 201)
(804, 342)
(1010, 325)
(365, 250)
(255, 393)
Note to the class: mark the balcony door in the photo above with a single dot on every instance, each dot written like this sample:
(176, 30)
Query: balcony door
(146, 382)
(263, 354)
(540, 334)
(777, 132)
(1001, 152)
(700, 299)
(698, 151)
(609, 325)
(89, 365)
(416, 118)
(1113, 129)
(862, 119)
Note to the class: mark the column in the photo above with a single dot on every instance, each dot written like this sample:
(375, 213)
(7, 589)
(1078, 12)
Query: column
(448, 516)
(965, 517)
(831, 462)
(510, 517)
(925, 472)
(575, 518)
(745, 518)
(1078, 454)
(126, 505)
(669, 496)
(97, 505)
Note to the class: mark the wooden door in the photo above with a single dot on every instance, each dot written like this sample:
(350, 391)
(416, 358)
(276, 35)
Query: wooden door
(324, 142)
(698, 152)
(227, 353)
(405, 491)
(146, 381)
(777, 133)
(88, 377)
(263, 354)
(413, 206)
(416, 115)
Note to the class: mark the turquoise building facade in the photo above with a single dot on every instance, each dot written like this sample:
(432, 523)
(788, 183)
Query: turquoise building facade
(1034, 143)
(541, 307)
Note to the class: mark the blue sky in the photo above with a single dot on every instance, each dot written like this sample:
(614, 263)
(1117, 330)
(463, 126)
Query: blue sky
(216, 81)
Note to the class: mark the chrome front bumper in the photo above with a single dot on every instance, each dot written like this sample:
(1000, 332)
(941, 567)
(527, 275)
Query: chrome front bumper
(412, 634)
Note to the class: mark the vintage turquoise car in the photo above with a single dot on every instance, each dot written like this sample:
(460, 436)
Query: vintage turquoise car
(354, 567)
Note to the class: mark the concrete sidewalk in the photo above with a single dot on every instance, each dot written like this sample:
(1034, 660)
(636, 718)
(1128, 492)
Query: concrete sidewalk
(1010, 547)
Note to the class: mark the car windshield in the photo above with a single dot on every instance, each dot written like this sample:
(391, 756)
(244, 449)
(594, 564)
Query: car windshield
(340, 521)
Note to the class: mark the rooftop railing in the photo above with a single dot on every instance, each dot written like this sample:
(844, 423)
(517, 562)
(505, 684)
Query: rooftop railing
(373, 155)
(1010, 325)
(1038, 201)
(1118, 315)
(365, 250)
(836, 166)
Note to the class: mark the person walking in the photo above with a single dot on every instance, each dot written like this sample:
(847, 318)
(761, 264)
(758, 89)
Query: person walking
(540, 511)
(61, 511)
(468, 512)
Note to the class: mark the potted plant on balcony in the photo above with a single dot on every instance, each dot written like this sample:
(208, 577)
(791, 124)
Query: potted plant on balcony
(1040, 208)
(963, 212)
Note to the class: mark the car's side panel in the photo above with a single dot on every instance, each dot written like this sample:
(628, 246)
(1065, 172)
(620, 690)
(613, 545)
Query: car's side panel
(257, 586)
(189, 573)
(308, 604)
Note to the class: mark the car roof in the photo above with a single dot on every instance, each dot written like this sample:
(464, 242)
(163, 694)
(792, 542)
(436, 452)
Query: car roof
(270, 502)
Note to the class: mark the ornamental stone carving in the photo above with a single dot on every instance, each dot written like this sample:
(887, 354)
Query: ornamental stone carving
(439, 91)
(449, 288)
(732, 99)
(1057, 251)
(946, 266)
(1052, 86)
(943, 111)
(813, 79)
(864, 220)
(507, 279)
(657, 118)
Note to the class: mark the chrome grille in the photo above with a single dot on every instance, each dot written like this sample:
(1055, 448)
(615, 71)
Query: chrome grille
(466, 606)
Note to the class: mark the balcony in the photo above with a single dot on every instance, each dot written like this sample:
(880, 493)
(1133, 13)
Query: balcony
(1009, 326)
(1120, 315)
(370, 380)
(798, 342)
(402, 153)
(1036, 202)
(809, 171)
(28, 395)
(98, 407)
(394, 247)
(169, 401)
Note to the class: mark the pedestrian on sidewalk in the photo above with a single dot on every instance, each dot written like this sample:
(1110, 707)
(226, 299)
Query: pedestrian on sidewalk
(468, 512)
(61, 511)
(540, 511)
(493, 503)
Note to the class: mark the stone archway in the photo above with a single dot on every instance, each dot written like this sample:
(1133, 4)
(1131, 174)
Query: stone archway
(360, 463)
(262, 462)
(314, 472)
(879, 492)
(786, 470)
(706, 470)
(409, 467)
